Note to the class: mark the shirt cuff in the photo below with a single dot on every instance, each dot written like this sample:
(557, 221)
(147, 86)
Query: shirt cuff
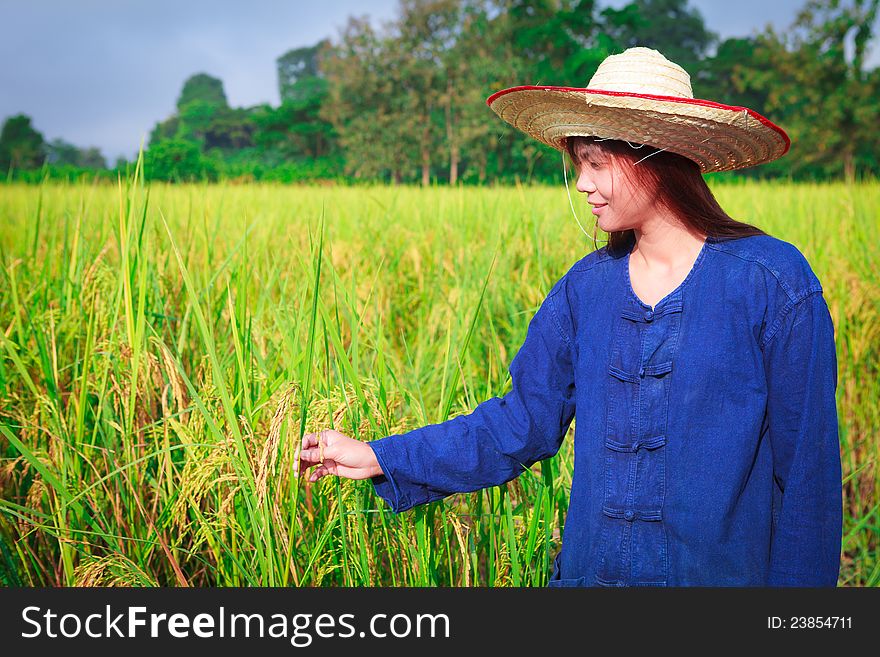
(385, 485)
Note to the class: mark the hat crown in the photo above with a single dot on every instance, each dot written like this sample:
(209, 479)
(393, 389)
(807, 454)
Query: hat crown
(642, 70)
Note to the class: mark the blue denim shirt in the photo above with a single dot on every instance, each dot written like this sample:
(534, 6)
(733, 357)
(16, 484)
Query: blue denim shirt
(706, 439)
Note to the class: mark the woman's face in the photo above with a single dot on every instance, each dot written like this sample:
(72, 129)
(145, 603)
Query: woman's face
(617, 204)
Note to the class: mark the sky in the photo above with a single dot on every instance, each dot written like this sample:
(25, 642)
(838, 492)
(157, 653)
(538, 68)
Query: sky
(104, 72)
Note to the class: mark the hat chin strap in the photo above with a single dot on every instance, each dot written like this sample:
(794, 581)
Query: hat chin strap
(647, 156)
(568, 191)
(571, 205)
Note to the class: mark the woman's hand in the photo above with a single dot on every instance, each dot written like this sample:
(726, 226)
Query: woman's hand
(337, 454)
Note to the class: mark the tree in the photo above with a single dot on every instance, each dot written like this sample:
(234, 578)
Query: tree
(551, 42)
(298, 71)
(177, 160)
(723, 77)
(424, 36)
(668, 26)
(828, 102)
(21, 146)
(464, 112)
(204, 117)
(363, 103)
(204, 88)
(195, 119)
(296, 129)
(230, 129)
(166, 129)
(557, 38)
(60, 152)
(91, 158)
(482, 61)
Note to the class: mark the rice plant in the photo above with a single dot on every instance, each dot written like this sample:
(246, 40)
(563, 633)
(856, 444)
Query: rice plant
(163, 348)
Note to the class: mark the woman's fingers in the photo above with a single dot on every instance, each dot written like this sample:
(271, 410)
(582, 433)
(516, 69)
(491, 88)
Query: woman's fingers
(311, 439)
(317, 452)
(330, 452)
(328, 467)
(316, 447)
(308, 455)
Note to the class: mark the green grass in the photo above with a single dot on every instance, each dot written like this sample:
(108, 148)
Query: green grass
(163, 348)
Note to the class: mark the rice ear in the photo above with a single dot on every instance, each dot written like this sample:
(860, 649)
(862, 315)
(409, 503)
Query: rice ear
(269, 456)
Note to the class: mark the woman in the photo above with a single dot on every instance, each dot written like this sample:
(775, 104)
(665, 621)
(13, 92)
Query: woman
(696, 352)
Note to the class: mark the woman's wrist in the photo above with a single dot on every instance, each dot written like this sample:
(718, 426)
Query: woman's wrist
(374, 468)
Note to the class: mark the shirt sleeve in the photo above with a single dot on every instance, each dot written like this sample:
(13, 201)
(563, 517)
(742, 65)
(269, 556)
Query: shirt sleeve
(500, 438)
(801, 368)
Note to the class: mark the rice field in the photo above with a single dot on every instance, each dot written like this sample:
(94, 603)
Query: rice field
(165, 347)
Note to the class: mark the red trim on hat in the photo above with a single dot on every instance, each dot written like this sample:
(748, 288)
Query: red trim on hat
(674, 99)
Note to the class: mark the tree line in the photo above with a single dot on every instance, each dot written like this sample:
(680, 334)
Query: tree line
(404, 102)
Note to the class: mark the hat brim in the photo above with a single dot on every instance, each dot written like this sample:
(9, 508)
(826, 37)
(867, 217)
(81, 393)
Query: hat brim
(718, 137)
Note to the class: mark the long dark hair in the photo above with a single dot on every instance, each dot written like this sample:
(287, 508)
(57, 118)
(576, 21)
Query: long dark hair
(675, 182)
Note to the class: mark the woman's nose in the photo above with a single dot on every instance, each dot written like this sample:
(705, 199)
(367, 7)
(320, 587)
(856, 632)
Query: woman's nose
(585, 183)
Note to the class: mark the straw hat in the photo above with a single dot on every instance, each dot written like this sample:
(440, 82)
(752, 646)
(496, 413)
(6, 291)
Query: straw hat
(642, 97)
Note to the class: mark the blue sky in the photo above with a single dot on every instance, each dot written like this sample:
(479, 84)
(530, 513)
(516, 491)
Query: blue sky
(103, 72)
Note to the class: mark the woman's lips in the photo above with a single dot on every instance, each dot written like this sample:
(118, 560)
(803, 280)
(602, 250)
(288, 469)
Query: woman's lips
(598, 207)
